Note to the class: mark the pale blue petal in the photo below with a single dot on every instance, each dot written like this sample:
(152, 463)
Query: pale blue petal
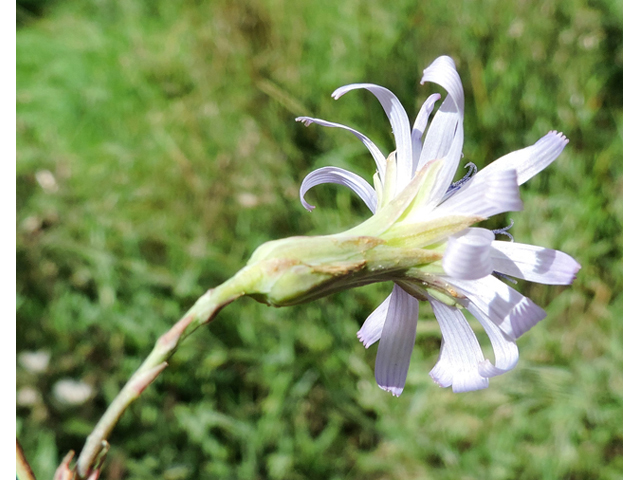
(468, 254)
(420, 125)
(372, 326)
(460, 353)
(396, 342)
(533, 263)
(399, 125)
(529, 161)
(504, 346)
(484, 196)
(342, 177)
(445, 135)
(514, 313)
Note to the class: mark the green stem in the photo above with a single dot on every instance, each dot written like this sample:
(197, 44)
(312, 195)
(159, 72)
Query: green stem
(202, 312)
(23, 470)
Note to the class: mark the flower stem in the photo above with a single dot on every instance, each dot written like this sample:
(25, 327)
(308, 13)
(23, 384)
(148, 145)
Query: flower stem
(23, 469)
(202, 312)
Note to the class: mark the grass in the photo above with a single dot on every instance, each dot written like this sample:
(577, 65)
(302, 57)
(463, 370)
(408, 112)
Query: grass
(168, 130)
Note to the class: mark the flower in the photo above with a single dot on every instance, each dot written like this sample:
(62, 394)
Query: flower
(417, 207)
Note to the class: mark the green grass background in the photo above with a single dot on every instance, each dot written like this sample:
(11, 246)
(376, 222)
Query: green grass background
(169, 129)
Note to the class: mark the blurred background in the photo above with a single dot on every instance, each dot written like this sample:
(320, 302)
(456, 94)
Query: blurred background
(157, 149)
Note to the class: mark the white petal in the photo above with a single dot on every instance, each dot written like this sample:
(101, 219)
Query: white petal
(511, 311)
(531, 160)
(468, 254)
(533, 263)
(445, 135)
(341, 177)
(396, 342)
(460, 354)
(399, 124)
(484, 196)
(372, 326)
(505, 349)
(378, 157)
(420, 125)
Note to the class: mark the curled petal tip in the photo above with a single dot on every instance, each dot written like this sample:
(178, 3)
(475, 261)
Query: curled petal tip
(446, 58)
(366, 342)
(576, 269)
(438, 61)
(338, 92)
(560, 135)
(437, 382)
(306, 120)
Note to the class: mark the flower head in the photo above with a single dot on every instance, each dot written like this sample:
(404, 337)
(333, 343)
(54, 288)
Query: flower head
(417, 208)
